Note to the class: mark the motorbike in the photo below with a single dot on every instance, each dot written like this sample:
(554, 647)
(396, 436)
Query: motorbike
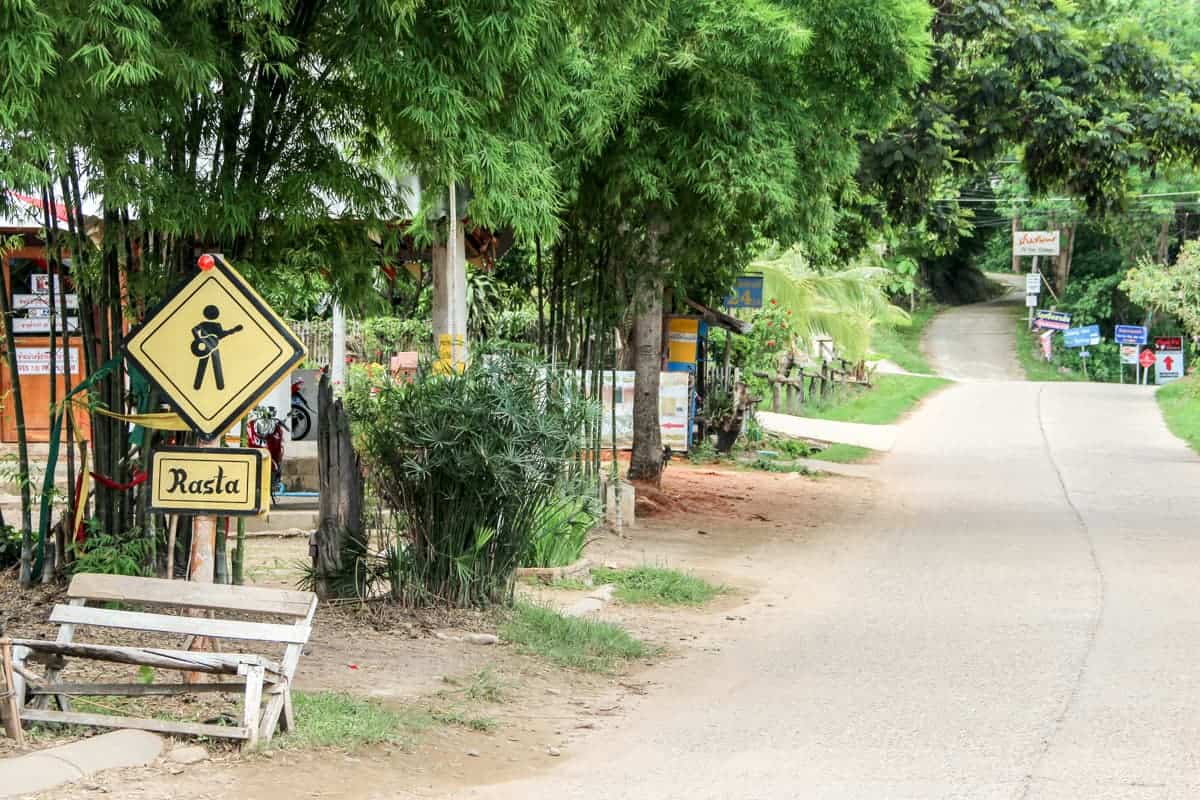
(301, 414)
(266, 431)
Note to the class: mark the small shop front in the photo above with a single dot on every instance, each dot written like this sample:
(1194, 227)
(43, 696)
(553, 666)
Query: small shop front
(28, 281)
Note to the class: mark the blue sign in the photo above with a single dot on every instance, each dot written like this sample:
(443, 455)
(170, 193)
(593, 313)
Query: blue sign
(1130, 334)
(1082, 337)
(747, 292)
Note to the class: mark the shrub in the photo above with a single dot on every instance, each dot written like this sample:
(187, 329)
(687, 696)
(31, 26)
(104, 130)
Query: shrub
(10, 546)
(561, 526)
(470, 461)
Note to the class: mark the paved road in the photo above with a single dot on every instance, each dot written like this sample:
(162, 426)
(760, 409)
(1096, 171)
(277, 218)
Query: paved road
(1016, 618)
(976, 342)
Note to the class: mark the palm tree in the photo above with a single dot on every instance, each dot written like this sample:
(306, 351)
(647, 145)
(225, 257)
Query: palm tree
(844, 306)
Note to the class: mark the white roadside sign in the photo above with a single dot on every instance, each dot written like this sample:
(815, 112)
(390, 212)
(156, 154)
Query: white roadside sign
(1035, 243)
(1031, 300)
(1168, 365)
(1033, 283)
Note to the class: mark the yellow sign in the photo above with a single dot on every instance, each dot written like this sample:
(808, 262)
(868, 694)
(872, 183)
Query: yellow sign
(214, 348)
(683, 334)
(225, 481)
(451, 348)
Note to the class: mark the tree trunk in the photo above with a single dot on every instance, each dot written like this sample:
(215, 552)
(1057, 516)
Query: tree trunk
(1062, 264)
(10, 346)
(646, 461)
(1164, 241)
(1016, 259)
(340, 538)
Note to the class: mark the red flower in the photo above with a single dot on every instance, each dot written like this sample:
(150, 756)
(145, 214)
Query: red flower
(774, 302)
(770, 342)
(769, 323)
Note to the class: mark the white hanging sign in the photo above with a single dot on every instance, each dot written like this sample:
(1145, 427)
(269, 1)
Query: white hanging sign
(1035, 243)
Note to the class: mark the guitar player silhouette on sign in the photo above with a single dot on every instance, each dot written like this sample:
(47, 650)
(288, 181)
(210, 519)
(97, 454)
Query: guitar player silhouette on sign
(206, 339)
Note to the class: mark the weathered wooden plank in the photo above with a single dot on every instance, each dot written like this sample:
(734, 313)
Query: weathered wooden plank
(195, 626)
(252, 707)
(137, 689)
(280, 701)
(219, 663)
(158, 725)
(187, 594)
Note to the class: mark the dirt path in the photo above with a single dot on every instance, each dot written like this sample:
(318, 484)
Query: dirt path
(729, 526)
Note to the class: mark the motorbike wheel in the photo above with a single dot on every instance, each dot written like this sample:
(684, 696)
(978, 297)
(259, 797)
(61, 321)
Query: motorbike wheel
(300, 422)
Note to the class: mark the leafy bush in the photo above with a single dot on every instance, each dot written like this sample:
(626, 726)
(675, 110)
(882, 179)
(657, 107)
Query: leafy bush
(10, 546)
(471, 461)
(561, 526)
(383, 336)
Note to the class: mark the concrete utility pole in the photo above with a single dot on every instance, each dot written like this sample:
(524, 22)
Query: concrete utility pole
(338, 358)
(450, 290)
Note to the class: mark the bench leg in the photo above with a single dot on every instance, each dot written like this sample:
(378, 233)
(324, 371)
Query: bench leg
(19, 654)
(278, 712)
(252, 712)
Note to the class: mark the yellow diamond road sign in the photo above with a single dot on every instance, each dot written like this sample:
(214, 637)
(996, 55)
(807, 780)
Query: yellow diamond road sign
(209, 480)
(214, 348)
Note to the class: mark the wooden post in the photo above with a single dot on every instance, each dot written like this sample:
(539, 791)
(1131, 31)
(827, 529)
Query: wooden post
(202, 565)
(340, 538)
(10, 708)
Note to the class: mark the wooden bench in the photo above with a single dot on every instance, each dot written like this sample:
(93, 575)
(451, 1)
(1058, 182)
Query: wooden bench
(256, 674)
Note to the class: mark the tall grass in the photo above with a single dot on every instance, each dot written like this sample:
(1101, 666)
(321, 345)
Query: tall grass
(572, 641)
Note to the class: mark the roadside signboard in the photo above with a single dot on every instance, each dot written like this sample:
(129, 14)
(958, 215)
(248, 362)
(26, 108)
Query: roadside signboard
(1031, 301)
(1130, 334)
(747, 292)
(214, 348)
(1035, 243)
(1168, 342)
(1146, 358)
(1129, 354)
(1052, 320)
(1033, 283)
(1168, 364)
(210, 480)
(1082, 337)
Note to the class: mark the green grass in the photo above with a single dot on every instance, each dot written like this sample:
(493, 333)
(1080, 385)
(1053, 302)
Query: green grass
(1032, 364)
(336, 719)
(843, 454)
(902, 345)
(570, 641)
(486, 686)
(657, 586)
(889, 399)
(1180, 405)
(463, 720)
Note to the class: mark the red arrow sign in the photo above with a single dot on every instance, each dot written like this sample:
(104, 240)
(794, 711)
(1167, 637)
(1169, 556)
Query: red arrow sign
(1146, 358)
(1169, 363)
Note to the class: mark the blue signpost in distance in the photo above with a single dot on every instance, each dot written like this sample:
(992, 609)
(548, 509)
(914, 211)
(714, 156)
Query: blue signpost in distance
(1082, 337)
(747, 292)
(1131, 334)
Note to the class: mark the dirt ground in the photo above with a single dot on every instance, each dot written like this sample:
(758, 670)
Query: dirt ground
(706, 520)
